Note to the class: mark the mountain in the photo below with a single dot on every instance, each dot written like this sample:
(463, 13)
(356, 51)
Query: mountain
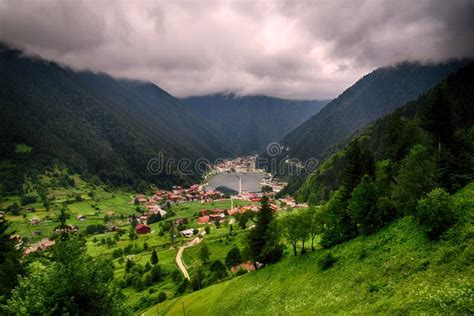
(370, 98)
(94, 123)
(442, 119)
(249, 123)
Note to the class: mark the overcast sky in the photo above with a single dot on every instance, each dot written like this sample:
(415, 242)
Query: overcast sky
(293, 49)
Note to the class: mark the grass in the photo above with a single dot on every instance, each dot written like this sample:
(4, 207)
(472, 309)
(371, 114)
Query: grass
(395, 271)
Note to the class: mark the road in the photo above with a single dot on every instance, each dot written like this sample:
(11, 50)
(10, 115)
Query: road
(179, 256)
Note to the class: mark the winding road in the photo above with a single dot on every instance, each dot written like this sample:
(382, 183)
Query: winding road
(179, 255)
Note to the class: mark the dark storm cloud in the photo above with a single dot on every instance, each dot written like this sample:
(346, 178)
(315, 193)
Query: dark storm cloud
(297, 49)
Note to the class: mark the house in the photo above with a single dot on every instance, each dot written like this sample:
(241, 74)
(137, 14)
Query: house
(35, 221)
(67, 229)
(81, 218)
(2, 214)
(142, 229)
(155, 209)
(41, 245)
(203, 220)
(140, 199)
(187, 233)
(244, 266)
(232, 212)
(217, 217)
(36, 233)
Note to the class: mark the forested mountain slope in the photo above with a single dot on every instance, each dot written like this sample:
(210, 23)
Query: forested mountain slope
(440, 120)
(249, 123)
(94, 123)
(373, 96)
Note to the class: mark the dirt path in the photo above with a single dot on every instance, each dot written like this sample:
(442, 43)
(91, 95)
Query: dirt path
(179, 256)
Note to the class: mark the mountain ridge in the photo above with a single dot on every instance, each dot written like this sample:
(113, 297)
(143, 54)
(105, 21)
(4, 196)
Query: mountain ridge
(250, 122)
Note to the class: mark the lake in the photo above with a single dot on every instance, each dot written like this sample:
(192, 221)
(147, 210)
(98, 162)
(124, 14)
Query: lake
(228, 182)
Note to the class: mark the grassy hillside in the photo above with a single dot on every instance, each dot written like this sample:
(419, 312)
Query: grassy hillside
(250, 123)
(397, 270)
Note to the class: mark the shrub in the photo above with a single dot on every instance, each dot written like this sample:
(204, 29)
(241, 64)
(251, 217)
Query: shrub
(240, 272)
(233, 257)
(435, 213)
(326, 261)
(162, 297)
(28, 200)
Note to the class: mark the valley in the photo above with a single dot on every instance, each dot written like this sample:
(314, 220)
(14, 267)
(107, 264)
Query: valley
(236, 158)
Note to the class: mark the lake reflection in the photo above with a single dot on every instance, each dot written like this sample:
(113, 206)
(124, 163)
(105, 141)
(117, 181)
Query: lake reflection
(228, 182)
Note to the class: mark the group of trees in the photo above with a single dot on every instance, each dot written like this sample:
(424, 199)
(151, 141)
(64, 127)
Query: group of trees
(407, 163)
(302, 225)
(367, 201)
(263, 241)
(11, 264)
(71, 283)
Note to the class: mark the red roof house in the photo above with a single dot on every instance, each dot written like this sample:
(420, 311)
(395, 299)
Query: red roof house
(142, 229)
(203, 220)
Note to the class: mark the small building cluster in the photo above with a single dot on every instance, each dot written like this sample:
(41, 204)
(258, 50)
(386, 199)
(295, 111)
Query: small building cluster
(179, 195)
(39, 246)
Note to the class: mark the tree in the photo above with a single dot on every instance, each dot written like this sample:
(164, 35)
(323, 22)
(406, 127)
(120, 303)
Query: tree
(263, 240)
(339, 225)
(132, 235)
(73, 283)
(128, 265)
(183, 286)
(11, 265)
(416, 178)
(435, 213)
(314, 219)
(155, 273)
(293, 229)
(218, 270)
(153, 218)
(154, 258)
(363, 207)
(197, 281)
(233, 257)
(204, 253)
(359, 162)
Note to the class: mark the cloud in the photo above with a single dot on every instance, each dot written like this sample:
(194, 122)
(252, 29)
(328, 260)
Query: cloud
(293, 49)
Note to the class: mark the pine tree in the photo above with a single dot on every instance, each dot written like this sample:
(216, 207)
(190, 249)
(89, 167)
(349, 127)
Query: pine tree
(204, 253)
(359, 162)
(154, 258)
(263, 239)
(10, 261)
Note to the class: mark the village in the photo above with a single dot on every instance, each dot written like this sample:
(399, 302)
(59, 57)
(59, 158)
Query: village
(157, 207)
(156, 203)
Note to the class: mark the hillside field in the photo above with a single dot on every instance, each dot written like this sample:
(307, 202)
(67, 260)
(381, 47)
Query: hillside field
(397, 270)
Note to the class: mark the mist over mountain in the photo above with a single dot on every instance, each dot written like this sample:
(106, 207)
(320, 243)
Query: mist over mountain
(249, 123)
